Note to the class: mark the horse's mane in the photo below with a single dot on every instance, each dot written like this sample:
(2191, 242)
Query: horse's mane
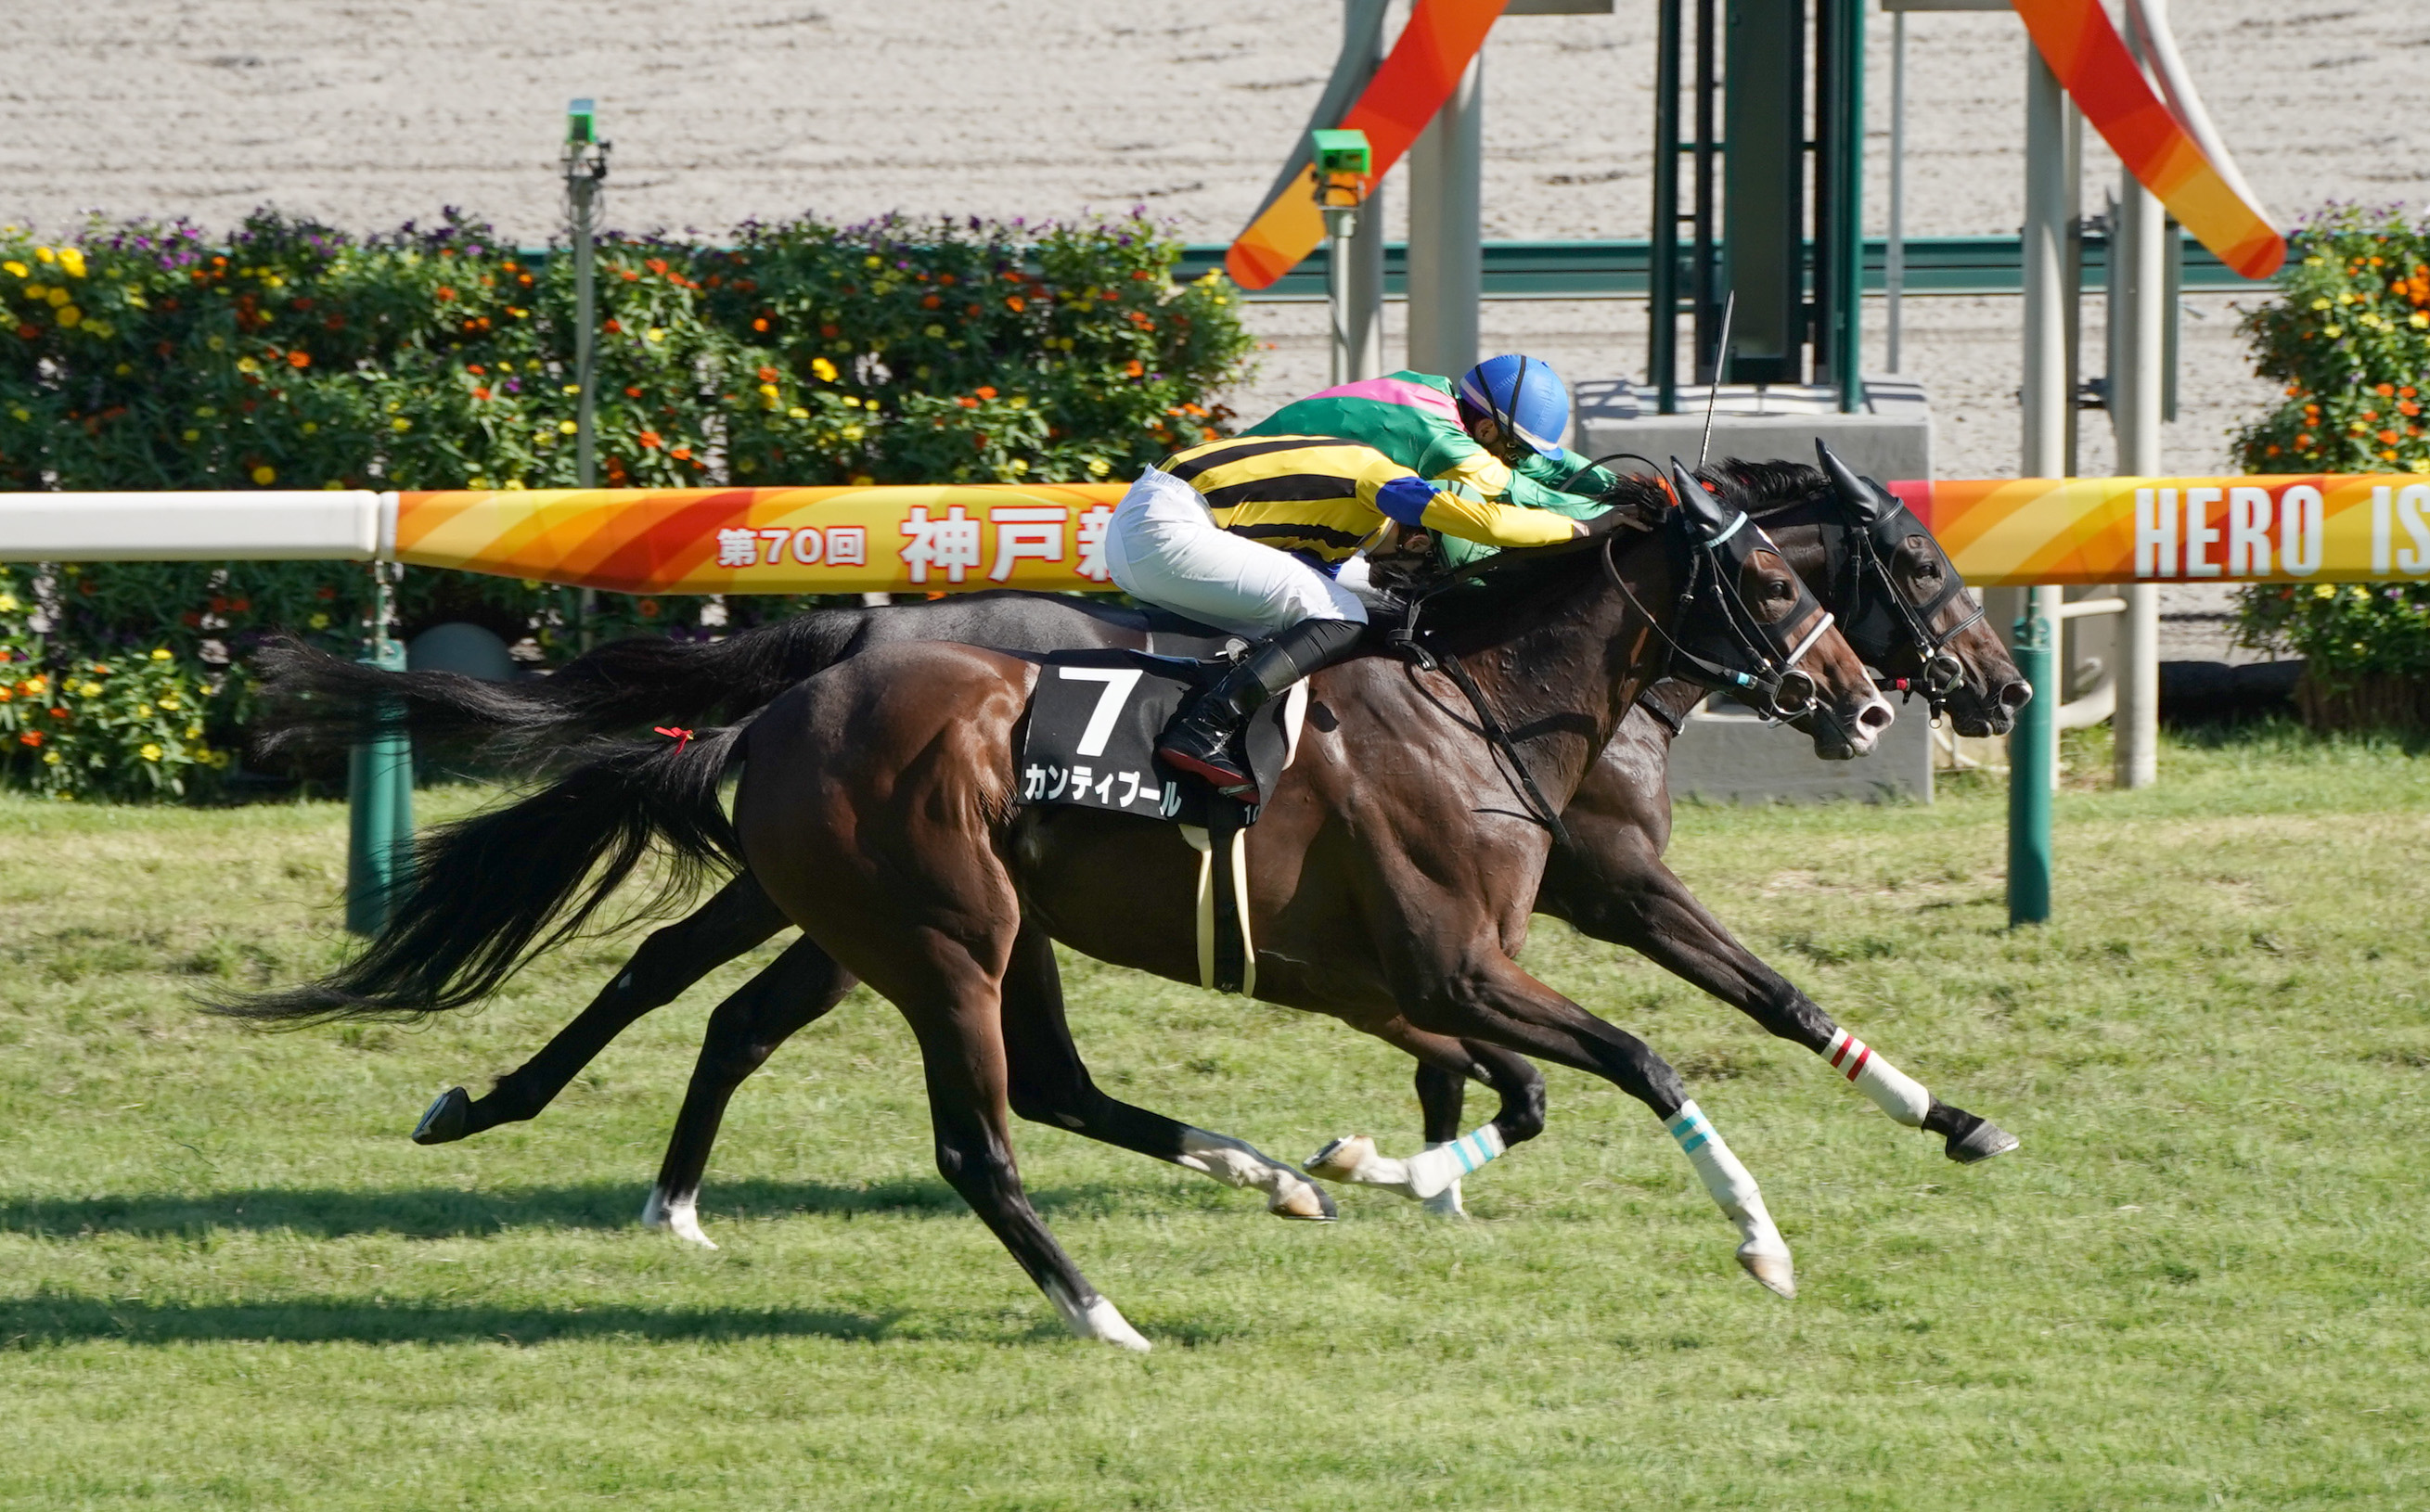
(1507, 583)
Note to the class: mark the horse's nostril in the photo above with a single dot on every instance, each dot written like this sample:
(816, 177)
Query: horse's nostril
(1878, 716)
(2016, 695)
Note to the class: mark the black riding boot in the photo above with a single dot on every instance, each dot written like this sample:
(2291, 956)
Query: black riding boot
(1205, 739)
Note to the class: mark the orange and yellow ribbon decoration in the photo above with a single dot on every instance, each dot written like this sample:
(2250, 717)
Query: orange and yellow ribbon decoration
(1408, 88)
(2084, 50)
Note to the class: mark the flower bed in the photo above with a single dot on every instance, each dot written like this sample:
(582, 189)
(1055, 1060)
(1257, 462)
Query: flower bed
(289, 354)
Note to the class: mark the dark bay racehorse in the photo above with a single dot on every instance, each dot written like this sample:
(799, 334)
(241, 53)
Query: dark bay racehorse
(1872, 565)
(1391, 877)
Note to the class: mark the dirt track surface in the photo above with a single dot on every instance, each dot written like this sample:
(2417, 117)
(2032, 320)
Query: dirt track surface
(368, 113)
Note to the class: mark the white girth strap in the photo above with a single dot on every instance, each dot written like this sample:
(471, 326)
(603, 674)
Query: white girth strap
(1239, 882)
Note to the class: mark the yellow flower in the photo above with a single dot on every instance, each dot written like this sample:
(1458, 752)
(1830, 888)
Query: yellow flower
(159, 653)
(171, 701)
(55, 295)
(798, 412)
(203, 412)
(476, 482)
(400, 424)
(310, 426)
(46, 255)
(246, 364)
(933, 330)
(335, 485)
(568, 426)
(825, 369)
(318, 621)
(8, 603)
(22, 413)
(191, 435)
(73, 260)
(852, 433)
(265, 474)
(769, 389)
(514, 483)
(194, 732)
(142, 711)
(70, 316)
(124, 368)
(90, 689)
(574, 387)
(867, 262)
(2418, 320)
(150, 752)
(51, 758)
(15, 267)
(1099, 467)
(2324, 591)
(2321, 304)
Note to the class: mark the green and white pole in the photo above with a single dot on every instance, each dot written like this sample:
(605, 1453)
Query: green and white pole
(379, 789)
(585, 169)
(2032, 750)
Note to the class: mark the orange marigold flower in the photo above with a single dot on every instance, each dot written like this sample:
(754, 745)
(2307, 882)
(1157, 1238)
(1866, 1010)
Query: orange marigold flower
(967, 402)
(650, 438)
(985, 390)
(681, 453)
(631, 393)
(615, 327)
(829, 332)
(2387, 389)
(445, 293)
(30, 738)
(930, 301)
(767, 375)
(1013, 303)
(2388, 438)
(299, 359)
(1135, 368)
(476, 370)
(648, 608)
(761, 323)
(481, 393)
(2405, 393)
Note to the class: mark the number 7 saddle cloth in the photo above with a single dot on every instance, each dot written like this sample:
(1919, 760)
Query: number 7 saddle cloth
(1091, 732)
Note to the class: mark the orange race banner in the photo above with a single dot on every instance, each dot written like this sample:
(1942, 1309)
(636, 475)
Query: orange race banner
(2290, 528)
(2076, 39)
(932, 539)
(2284, 528)
(1409, 86)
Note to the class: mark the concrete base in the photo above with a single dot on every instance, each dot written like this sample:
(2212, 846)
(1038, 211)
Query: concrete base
(1889, 439)
(1729, 756)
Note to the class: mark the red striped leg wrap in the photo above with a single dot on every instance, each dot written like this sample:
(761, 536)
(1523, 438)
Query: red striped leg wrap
(1892, 1090)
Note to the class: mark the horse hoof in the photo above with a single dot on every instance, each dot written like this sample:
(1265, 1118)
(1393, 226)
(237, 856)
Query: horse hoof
(1772, 1267)
(446, 1122)
(1104, 1323)
(1305, 1201)
(1341, 1160)
(1446, 1204)
(1978, 1139)
(680, 1218)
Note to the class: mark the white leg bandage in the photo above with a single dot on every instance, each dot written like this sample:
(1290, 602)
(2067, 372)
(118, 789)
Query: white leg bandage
(679, 1216)
(1422, 1176)
(1892, 1090)
(1439, 1168)
(1446, 1203)
(1761, 1249)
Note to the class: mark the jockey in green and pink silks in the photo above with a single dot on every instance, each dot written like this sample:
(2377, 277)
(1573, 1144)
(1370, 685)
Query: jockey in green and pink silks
(1495, 435)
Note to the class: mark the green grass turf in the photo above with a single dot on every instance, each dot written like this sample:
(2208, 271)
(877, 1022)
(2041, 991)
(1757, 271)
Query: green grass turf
(227, 1280)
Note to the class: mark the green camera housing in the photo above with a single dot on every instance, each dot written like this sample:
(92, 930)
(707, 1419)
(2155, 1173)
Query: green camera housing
(581, 122)
(1341, 151)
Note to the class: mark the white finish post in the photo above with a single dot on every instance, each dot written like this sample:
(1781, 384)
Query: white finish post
(2135, 410)
(1894, 263)
(2048, 206)
(1446, 217)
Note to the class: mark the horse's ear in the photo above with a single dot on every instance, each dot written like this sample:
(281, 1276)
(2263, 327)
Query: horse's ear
(1703, 510)
(1863, 497)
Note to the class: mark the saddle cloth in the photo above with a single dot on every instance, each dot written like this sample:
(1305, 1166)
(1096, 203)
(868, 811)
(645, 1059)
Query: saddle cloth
(1094, 717)
(1094, 720)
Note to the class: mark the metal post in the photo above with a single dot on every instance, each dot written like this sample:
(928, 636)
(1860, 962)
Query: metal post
(1838, 302)
(1341, 230)
(1895, 264)
(586, 167)
(1362, 313)
(2045, 396)
(379, 789)
(1662, 273)
(2135, 394)
(2030, 778)
(1701, 270)
(1446, 259)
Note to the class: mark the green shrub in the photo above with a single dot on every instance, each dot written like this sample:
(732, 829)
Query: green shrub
(799, 353)
(2349, 336)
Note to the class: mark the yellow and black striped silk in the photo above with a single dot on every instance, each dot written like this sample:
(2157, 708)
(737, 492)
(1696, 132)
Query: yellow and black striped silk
(1314, 496)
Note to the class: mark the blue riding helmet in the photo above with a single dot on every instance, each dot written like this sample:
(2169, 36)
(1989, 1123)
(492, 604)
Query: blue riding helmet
(1525, 397)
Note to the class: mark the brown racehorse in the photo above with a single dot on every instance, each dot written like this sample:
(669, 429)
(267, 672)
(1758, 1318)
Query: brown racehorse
(1606, 876)
(1391, 877)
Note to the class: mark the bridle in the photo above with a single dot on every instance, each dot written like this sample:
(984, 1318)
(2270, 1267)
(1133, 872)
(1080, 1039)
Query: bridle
(1882, 524)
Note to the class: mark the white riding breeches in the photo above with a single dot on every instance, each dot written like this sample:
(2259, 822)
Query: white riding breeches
(1163, 547)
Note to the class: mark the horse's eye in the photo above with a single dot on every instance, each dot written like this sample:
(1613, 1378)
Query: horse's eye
(1778, 591)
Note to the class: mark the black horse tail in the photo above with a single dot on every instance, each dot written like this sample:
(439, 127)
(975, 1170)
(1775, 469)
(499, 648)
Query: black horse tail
(488, 893)
(312, 701)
